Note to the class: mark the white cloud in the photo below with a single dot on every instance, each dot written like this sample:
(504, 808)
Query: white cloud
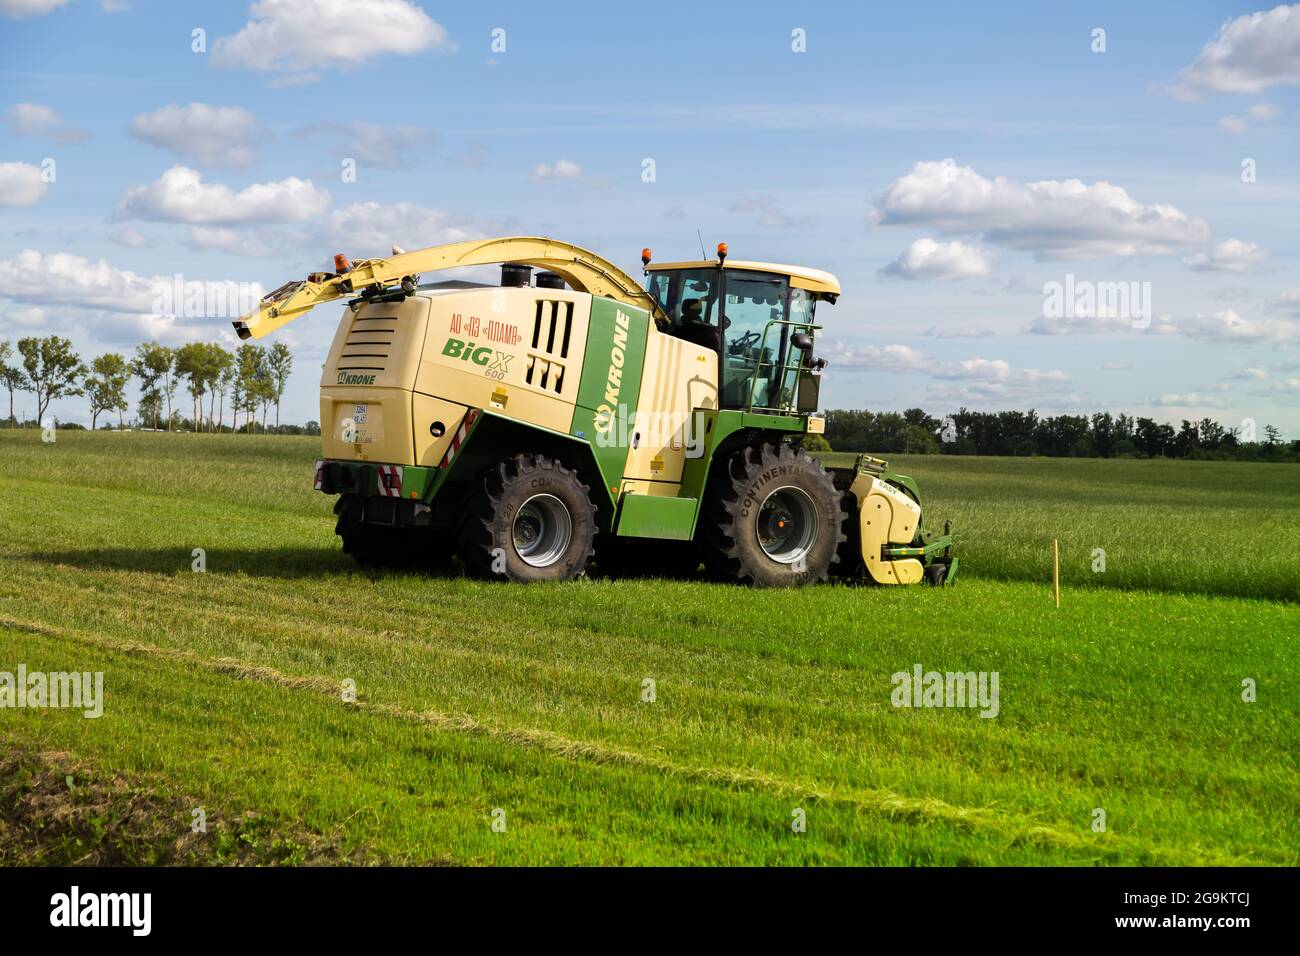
(23, 317)
(21, 184)
(370, 229)
(29, 8)
(298, 36)
(1190, 400)
(382, 147)
(219, 135)
(180, 195)
(562, 170)
(996, 370)
(770, 215)
(130, 237)
(997, 375)
(61, 278)
(1231, 255)
(1251, 53)
(1259, 113)
(36, 119)
(1288, 301)
(1250, 374)
(1286, 388)
(1064, 219)
(1224, 326)
(221, 239)
(30, 119)
(1099, 323)
(928, 259)
(958, 332)
(881, 358)
(124, 306)
(1228, 326)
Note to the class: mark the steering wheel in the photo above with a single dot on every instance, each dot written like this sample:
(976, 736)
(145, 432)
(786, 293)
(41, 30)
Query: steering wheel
(744, 343)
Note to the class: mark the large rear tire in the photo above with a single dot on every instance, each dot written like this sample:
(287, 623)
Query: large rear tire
(772, 518)
(532, 520)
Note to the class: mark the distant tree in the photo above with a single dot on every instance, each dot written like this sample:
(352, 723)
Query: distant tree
(225, 385)
(251, 380)
(191, 364)
(1211, 434)
(279, 363)
(217, 364)
(52, 369)
(1271, 435)
(12, 376)
(106, 386)
(1187, 440)
(152, 365)
(1103, 434)
(810, 442)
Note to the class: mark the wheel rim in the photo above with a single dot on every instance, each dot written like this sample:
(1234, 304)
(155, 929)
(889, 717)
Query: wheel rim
(787, 525)
(542, 530)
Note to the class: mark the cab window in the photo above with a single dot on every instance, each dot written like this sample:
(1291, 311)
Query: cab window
(754, 307)
(689, 297)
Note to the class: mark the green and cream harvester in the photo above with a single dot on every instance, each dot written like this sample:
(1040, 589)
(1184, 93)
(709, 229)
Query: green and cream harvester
(530, 426)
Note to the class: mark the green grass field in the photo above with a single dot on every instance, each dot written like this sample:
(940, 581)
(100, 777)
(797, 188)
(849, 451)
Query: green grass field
(224, 690)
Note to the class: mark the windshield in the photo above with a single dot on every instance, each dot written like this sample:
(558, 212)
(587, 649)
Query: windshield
(687, 296)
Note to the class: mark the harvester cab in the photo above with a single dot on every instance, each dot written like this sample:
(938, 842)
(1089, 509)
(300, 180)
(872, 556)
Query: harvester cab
(529, 425)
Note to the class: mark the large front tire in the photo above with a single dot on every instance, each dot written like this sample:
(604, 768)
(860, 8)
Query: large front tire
(532, 520)
(772, 518)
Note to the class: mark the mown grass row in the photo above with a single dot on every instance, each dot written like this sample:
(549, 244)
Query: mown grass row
(225, 687)
(1182, 526)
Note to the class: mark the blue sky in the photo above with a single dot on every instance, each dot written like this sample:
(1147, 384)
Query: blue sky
(833, 157)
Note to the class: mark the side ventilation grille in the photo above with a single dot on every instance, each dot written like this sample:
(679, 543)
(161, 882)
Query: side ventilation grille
(549, 347)
(369, 343)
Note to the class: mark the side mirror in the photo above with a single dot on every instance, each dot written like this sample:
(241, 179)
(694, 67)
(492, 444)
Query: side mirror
(802, 341)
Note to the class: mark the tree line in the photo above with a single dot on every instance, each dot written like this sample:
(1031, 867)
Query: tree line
(1102, 435)
(252, 379)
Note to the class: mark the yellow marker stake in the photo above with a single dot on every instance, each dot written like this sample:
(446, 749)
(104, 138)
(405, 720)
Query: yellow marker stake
(1056, 572)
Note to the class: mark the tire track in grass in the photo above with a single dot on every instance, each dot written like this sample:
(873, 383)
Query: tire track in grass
(1018, 831)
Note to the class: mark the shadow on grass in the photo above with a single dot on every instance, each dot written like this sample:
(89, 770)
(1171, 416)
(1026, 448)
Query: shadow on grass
(255, 562)
(289, 563)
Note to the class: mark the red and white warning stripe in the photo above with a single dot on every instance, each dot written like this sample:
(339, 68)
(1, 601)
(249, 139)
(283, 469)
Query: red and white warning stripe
(458, 439)
(390, 481)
